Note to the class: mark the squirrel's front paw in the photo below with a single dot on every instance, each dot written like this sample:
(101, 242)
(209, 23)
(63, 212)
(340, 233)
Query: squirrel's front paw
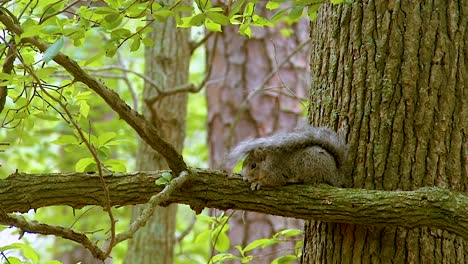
(255, 186)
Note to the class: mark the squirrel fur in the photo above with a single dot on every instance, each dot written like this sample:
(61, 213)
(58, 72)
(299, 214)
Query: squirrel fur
(308, 155)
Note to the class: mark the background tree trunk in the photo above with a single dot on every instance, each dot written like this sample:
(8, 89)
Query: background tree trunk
(167, 64)
(243, 103)
(393, 75)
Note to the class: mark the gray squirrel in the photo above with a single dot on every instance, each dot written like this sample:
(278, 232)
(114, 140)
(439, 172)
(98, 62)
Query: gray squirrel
(307, 155)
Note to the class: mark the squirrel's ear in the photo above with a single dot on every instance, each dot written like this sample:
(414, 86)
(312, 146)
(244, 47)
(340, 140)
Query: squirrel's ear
(258, 154)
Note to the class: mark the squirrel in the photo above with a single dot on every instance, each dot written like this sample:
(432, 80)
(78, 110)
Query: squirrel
(307, 155)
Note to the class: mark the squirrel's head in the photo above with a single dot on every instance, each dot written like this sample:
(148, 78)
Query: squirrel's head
(252, 162)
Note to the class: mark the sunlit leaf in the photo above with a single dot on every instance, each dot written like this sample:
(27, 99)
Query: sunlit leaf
(82, 164)
(106, 137)
(264, 242)
(65, 140)
(213, 26)
(273, 5)
(84, 108)
(222, 242)
(218, 18)
(197, 20)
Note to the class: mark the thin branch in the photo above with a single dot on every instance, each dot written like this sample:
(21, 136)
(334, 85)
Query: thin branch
(127, 81)
(7, 68)
(37, 228)
(153, 202)
(58, 12)
(92, 150)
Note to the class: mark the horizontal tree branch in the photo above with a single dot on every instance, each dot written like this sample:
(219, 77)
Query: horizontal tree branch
(435, 207)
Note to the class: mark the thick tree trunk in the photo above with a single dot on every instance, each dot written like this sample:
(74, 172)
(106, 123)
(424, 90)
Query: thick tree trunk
(393, 74)
(167, 64)
(244, 103)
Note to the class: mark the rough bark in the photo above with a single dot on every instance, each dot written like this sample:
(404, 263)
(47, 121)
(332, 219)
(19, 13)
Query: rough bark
(247, 98)
(393, 75)
(167, 64)
(214, 189)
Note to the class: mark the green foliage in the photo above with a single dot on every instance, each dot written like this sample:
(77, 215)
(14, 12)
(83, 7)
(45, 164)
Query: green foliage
(28, 254)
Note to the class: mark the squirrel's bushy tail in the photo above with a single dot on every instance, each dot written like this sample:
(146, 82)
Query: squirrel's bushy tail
(306, 136)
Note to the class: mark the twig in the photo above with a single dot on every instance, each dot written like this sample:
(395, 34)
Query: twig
(7, 68)
(153, 202)
(92, 150)
(37, 228)
(187, 230)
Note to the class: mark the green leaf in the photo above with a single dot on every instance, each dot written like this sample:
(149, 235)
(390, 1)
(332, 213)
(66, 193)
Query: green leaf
(165, 178)
(106, 137)
(279, 14)
(261, 21)
(296, 12)
(312, 14)
(116, 165)
(148, 42)
(82, 164)
(249, 9)
(289, 232)
(245, 29)
(236, 7)
(65, 140)
(45, 116)
(197, 20)
(105, 10)
(45, 72)
(163, 14)
(286, 259)
(84, 108)
(203, 4)
(203, 237)
(272, 5)
(220, 258)
(264, 242)
(218, 18)
(53, 262)
(83, 95)
(30, 254)
(120, 33)
(136, 41)
(27, 250)
(53, 50)
(335, 2)
(287, 32)
(21, 115)
(30, 31)
(14, 260)
(213, 26)
(222, 242)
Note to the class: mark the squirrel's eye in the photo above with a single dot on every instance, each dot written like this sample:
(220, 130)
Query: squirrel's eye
(253, 166)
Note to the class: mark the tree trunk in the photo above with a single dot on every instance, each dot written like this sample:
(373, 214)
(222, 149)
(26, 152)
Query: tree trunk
(250, 97)
(167, 64)
(393, 75)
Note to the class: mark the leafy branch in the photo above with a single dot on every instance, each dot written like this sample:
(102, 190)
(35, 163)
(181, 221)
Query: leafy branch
(144, 129)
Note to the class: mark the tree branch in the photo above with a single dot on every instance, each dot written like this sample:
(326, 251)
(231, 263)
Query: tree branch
(37, 228)
(433, 207)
